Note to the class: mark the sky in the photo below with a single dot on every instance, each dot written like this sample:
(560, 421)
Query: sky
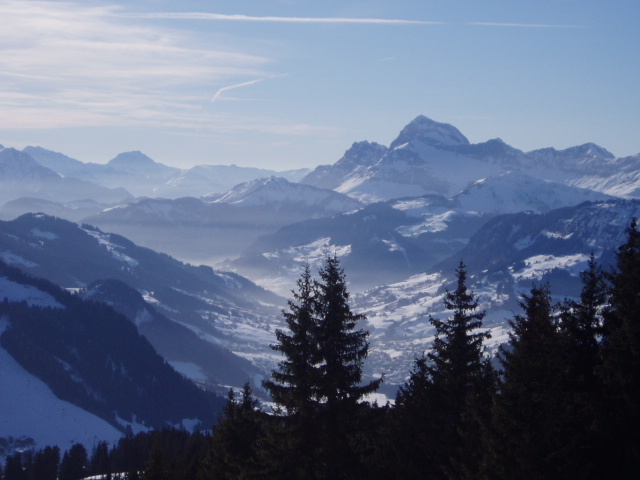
(285, 84)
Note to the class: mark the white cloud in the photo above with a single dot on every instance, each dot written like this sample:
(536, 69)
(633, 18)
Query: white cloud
(249, 18)
(66, 64)
(523, 25)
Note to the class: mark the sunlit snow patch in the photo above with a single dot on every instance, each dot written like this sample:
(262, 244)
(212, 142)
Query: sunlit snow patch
(16, 292)
(536, 266)
(113, 249)
(430, 224)
(36, 232)
(189, 370)
(13, 259)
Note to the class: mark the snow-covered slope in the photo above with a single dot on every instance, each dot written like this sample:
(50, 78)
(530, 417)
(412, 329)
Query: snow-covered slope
(74, 370)
(517, 192)
(30, 409)
(356, 160)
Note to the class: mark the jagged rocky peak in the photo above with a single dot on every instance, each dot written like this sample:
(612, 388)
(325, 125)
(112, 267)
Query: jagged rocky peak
(429, 131)
(363, 153)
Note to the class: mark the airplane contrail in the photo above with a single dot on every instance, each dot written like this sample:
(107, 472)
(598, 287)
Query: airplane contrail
(243, 84)
(237, 85)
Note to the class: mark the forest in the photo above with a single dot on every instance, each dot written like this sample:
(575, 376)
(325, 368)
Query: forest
(560, 400)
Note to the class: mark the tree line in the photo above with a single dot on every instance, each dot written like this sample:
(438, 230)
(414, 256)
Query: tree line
(561, 400)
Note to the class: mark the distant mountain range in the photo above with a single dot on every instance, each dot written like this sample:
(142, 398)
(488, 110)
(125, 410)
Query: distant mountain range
(216, 227)
(429, 157)
(143, 176)
(21, 175)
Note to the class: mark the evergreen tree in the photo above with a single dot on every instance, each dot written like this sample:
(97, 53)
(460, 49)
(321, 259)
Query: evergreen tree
(74, 463)
(234, 450)
(13, 469)
(100, 462)
(318, 383)
(294, 386)
(582, 324)
(46, 463)
(580, 328)
(532, 426)
(621, 359)
(449, 391)
(157, 468)
(342, 351)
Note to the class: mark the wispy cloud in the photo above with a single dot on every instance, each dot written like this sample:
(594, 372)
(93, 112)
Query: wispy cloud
(344, 20)
(249, 18)
(67, 63)
(524, 25)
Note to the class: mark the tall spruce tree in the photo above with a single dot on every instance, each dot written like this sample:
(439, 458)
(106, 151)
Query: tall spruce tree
(342, 350)
(318, 382)
(532, 421)
(582, 324)
(450, 390)
(294, 386)
(621, 359)
(74, 463)
(580, 329)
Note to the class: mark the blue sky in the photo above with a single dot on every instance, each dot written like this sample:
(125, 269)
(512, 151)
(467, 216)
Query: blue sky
(289, 84)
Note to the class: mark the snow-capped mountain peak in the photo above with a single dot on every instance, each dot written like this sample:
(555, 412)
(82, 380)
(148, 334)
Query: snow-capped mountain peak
(430, 132)
(278, 192)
